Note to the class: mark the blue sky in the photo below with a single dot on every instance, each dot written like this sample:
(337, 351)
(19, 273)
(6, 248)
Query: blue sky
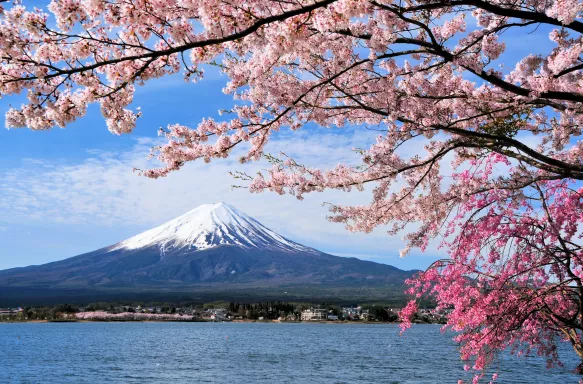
(69, 191)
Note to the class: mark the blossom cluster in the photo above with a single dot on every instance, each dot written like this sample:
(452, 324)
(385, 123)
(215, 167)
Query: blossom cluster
(130, 316)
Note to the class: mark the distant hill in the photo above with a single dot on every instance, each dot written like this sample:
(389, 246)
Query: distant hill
(211, 252)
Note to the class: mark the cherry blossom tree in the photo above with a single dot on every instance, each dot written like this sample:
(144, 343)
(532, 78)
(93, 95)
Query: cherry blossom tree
(131, 316)
(478, 153)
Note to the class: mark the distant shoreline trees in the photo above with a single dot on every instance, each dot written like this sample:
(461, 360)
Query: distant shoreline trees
(254, 311)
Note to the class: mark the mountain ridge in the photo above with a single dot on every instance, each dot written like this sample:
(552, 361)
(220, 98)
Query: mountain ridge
(211, 225)
(212, 247)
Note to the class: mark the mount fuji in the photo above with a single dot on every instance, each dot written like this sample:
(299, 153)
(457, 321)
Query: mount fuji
(210, 226)
(214, 251)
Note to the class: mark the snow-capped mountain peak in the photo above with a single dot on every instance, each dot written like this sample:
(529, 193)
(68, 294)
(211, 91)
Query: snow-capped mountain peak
(208, 226)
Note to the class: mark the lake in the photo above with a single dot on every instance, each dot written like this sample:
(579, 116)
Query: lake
(245, 353)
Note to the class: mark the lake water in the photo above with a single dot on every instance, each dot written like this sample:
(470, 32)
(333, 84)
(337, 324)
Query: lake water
(244, 353)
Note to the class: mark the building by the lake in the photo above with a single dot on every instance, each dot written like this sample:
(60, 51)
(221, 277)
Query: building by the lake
(314, 314)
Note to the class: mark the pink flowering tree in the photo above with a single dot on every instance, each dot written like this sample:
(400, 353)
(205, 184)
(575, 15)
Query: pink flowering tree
(480, 153)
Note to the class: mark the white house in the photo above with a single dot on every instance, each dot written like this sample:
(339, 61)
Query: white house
(314, 314)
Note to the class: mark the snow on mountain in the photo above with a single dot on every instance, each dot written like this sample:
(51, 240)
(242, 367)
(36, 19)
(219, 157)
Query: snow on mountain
(208, 226)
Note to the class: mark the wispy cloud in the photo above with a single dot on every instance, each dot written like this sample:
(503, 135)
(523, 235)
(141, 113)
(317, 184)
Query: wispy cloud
(102, 190)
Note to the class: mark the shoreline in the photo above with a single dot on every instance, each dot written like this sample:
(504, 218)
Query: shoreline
(204, 321)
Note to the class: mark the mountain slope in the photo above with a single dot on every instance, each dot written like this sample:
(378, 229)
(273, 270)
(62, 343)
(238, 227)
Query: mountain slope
(211, 225)
(211, 247)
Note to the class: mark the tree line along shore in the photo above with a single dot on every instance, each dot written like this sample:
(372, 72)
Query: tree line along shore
(217, 311)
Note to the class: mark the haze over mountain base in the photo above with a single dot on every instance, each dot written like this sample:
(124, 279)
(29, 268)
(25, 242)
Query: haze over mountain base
(212, 252)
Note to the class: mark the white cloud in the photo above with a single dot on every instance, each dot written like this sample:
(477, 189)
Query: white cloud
(102, 190)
